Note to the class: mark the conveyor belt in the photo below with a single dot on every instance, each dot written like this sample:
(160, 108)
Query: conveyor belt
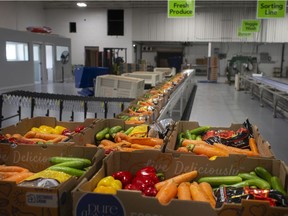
(273, 83)
(272, 92)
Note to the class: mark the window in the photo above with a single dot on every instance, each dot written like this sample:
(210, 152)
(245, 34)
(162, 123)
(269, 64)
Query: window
(115, 22)
(16, 51)
(59, 51)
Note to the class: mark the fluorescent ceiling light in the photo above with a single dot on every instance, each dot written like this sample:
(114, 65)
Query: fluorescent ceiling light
(81, 4)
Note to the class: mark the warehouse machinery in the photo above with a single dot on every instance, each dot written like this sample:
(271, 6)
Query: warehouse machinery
(240, 65)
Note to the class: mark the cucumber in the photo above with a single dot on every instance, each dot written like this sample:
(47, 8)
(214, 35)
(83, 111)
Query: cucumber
(115, 129)
(129, 130)
(107, 136)
(246, 176)
(188, 135)
(101, 134)
(180, 139)
(216, 181)
(240, 184)
(74, 164)
(276, 185)
(259, 183)
(68, 170)
(200, 130)
(58, 159)
(263, 173)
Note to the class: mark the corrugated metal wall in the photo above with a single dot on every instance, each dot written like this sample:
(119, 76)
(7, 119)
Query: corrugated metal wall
(209, 24)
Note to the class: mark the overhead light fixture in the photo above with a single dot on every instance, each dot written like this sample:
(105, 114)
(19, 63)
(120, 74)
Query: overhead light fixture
(81, 4)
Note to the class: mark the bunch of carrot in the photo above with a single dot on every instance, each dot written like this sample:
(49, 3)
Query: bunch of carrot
(123, 142)
(200, 147)
(14, 173)
(180, 187)
(33, 137)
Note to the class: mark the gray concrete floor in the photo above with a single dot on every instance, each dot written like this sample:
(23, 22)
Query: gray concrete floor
(219, 105)
(215, 104)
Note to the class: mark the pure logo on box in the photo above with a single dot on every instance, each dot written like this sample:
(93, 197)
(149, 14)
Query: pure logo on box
(99, 204)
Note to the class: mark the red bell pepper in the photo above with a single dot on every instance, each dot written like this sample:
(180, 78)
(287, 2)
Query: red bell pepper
(145, 179)
(124, 176)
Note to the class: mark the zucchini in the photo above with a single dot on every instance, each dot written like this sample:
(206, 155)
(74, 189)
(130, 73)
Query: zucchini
(263, 173)
(107, 136)
(216, 181)
(240, 184)
(259, 183)
(81, 164)
(115, 129)
(129, 130)
(200, 130)
(68, 170)
(188, 135)
(246, 176)
(58, 159)
(101, 134)
(276, 185)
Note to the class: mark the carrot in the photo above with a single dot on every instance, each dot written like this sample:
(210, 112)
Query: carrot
(184, 177)
(197, 193)
(167, 192)
(125, 149)
(19, 177)
(253, 145)
(138, 146)
(33, 134)
(4, 175)
(106, 142)
(234, 150)
(90, 145)
(146, 141)
(206, 187)
(182, 149)
(187, 142)
(4, 168)
(56, 139)
(30, 134)
(184, 191)
(136, 122)
(209, 151)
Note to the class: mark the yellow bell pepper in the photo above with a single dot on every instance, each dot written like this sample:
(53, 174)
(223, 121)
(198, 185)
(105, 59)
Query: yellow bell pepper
(108, 185)
(46, 129)
(59, 129)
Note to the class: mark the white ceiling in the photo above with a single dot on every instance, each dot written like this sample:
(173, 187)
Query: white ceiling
(121, 4)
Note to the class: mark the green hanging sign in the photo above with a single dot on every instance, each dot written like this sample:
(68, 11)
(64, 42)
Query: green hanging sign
(271, 9)
(250, 26)
(181, 8)
(240, 33)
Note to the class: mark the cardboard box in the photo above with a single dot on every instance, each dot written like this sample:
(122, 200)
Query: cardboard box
(181, 126)
(127, 202)
(89, 135)
(20, 200)
(26, 124)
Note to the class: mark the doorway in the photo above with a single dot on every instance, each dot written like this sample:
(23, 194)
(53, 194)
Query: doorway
(49, 76)
(37, 63)
(170, 59)
(92, 57)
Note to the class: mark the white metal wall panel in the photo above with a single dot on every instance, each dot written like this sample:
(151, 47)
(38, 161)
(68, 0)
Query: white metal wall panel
(277, 30)
(208, 25)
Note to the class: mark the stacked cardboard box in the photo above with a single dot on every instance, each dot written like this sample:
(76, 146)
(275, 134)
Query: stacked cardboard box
(126, 202)
(27, 200)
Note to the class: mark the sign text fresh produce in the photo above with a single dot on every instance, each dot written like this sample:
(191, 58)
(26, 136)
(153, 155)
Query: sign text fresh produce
(180, 8)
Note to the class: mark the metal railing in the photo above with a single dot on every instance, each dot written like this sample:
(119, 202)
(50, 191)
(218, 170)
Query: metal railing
(60, 103)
